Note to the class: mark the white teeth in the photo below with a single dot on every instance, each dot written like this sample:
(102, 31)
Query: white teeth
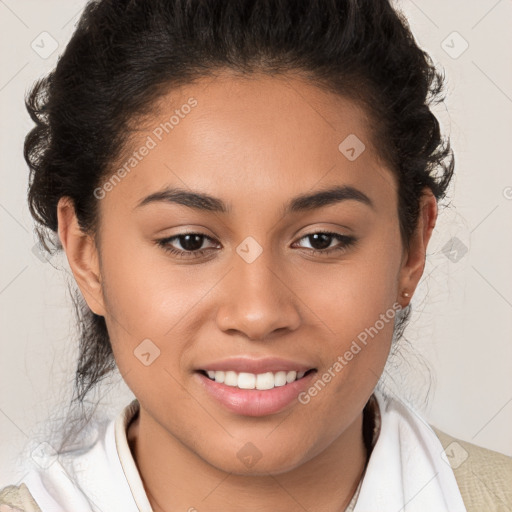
(262, 381)
(291, 376)
(246, 380)
(265, 380)
(230, 378)
(280, 379)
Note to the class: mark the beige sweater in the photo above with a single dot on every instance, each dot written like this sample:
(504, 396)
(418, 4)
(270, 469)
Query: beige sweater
(484, 478)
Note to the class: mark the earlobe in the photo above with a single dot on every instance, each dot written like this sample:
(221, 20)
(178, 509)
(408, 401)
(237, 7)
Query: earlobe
(412, 269)
(82, 255)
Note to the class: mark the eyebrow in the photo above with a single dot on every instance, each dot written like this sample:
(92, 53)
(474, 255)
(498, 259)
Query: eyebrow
(304, 202)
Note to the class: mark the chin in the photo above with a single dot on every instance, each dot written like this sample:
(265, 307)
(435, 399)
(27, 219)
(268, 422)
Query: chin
(248, 460)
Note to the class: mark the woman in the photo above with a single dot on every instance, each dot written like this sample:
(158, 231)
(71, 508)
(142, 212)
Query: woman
(245, 192)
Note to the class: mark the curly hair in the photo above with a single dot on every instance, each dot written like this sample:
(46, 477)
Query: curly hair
(125, 54)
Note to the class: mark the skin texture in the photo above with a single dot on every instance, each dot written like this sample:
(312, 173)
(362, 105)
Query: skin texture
(254, 143)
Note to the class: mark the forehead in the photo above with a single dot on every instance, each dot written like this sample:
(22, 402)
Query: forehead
(236, 137)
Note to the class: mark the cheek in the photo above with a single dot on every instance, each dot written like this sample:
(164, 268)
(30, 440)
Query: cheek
(356, 303)
(351, 295)
(154, 310)
(145, 293)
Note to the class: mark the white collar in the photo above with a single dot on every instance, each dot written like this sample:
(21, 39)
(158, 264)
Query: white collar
(125, 455)
(405, 473)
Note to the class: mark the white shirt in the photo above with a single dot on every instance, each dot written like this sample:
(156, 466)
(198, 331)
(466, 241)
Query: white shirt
(104, 478)
(406, 471)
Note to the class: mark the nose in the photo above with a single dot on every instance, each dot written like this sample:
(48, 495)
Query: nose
(257, 299)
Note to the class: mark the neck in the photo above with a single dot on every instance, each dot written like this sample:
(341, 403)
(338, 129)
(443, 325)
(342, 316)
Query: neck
(176, 478)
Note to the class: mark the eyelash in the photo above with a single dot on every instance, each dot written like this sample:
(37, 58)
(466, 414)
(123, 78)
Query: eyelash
(347, 241)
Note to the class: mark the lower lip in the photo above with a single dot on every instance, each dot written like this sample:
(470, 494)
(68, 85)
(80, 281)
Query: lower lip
(255, 402)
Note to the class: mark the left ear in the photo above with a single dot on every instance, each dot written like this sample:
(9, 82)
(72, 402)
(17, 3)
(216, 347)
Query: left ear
(414, 258)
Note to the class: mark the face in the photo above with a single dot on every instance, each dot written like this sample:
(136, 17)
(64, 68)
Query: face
(264, 275)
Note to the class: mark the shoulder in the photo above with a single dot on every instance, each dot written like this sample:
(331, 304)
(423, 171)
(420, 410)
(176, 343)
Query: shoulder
(484, 476)
(17, 498)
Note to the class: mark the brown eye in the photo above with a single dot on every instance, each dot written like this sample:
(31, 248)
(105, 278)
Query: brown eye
(191, 244)
(321, 242)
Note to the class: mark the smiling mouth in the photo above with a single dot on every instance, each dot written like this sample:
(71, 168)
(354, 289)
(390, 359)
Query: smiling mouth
(260, 381)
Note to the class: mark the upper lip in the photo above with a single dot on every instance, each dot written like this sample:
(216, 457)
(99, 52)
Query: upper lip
(251, 365)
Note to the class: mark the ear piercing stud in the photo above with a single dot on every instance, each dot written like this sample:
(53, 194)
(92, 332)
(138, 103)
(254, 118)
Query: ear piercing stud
(406, 294)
